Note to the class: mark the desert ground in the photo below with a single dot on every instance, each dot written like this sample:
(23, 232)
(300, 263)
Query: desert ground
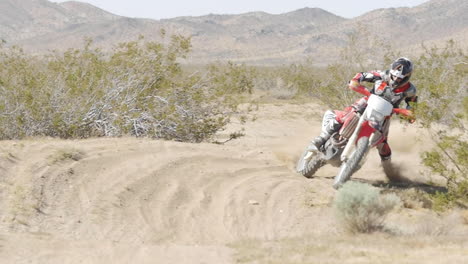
(133, 200)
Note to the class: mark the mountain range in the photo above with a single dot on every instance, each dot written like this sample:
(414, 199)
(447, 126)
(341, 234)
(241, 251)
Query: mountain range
(254, 38)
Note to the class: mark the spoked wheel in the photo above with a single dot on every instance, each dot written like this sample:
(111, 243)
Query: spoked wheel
(352, 165)
(309, 163)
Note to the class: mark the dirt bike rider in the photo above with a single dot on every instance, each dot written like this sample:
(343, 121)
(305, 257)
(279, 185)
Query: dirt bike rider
(397, 78)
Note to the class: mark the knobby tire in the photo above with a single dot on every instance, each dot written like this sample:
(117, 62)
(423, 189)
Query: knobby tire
(352, 165)
(311, 166)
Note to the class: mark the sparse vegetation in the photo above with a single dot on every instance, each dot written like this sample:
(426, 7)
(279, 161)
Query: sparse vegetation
(98, 199)
(139, 89)
(414, 198)
(361, 208)
(21, 204)
(66, 154)
(359, 248)
(442, 78)
(435, 225)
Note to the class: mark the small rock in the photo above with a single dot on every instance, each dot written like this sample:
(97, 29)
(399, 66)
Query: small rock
(253, 202)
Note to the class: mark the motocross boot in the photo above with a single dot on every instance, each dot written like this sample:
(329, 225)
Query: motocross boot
(386, 164)
(320, 140)
(326, 133)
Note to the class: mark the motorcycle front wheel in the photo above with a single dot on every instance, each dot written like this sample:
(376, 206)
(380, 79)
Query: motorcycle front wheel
(352, 165)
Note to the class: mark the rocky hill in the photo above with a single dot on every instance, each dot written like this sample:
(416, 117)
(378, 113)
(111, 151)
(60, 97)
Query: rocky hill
(256, 37)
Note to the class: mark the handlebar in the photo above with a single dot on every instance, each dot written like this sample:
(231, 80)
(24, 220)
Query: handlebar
(400, 111)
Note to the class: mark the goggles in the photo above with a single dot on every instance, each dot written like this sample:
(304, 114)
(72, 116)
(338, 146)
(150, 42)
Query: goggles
(397, 74)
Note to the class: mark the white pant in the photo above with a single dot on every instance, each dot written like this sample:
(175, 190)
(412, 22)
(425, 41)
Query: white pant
(329, 124)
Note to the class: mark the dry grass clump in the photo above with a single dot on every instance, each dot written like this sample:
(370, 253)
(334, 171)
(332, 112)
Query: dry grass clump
(356, 248)
(66, 154)
(432, 226)
(360, 208)
(414, 198)
(439, 225)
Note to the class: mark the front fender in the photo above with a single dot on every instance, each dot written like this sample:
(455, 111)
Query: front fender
(366, 131)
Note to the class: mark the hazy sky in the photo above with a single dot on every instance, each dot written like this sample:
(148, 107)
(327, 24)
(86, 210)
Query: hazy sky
(158, 9)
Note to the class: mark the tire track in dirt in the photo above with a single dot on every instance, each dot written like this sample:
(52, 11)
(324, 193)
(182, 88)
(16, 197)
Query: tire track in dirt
(123, 195)
(196, 207)
(20, 178)
(193, 198)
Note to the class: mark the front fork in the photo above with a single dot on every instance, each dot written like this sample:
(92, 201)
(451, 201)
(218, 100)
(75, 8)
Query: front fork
(353, 139)
(363, 129)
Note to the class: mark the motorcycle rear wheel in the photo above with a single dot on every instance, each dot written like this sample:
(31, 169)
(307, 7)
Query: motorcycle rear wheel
(309, 167)
(352, 165)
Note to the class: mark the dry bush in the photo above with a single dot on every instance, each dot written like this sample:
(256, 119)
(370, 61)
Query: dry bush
(138, 89)
(435, 225)
(414, 198)
(361, 208)
(441, 76)
(66, 154)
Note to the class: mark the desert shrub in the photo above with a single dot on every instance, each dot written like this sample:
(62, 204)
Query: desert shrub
(361, 208)
(137, 89)
(441, 80)
(285, 82)
(20, 75)
(302, 78)
(237, 78)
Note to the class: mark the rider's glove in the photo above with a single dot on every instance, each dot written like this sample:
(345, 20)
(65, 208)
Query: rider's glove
(353, 84)
(411, 118)
(408, 115)
(360, 105)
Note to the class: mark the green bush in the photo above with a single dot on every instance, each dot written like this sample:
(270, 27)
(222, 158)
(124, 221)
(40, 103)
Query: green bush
(235, 78)
(360, 208)
(137, 89)
(442, 109)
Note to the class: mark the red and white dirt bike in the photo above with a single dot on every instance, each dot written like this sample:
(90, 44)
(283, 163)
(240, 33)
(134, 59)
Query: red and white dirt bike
(348, 147)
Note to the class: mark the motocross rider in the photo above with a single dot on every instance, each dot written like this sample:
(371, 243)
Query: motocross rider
(397, 78)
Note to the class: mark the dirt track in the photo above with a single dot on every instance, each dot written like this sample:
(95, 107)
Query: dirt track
(130, 200)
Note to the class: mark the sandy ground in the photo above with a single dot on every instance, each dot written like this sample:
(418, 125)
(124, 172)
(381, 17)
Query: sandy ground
(129, 200)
